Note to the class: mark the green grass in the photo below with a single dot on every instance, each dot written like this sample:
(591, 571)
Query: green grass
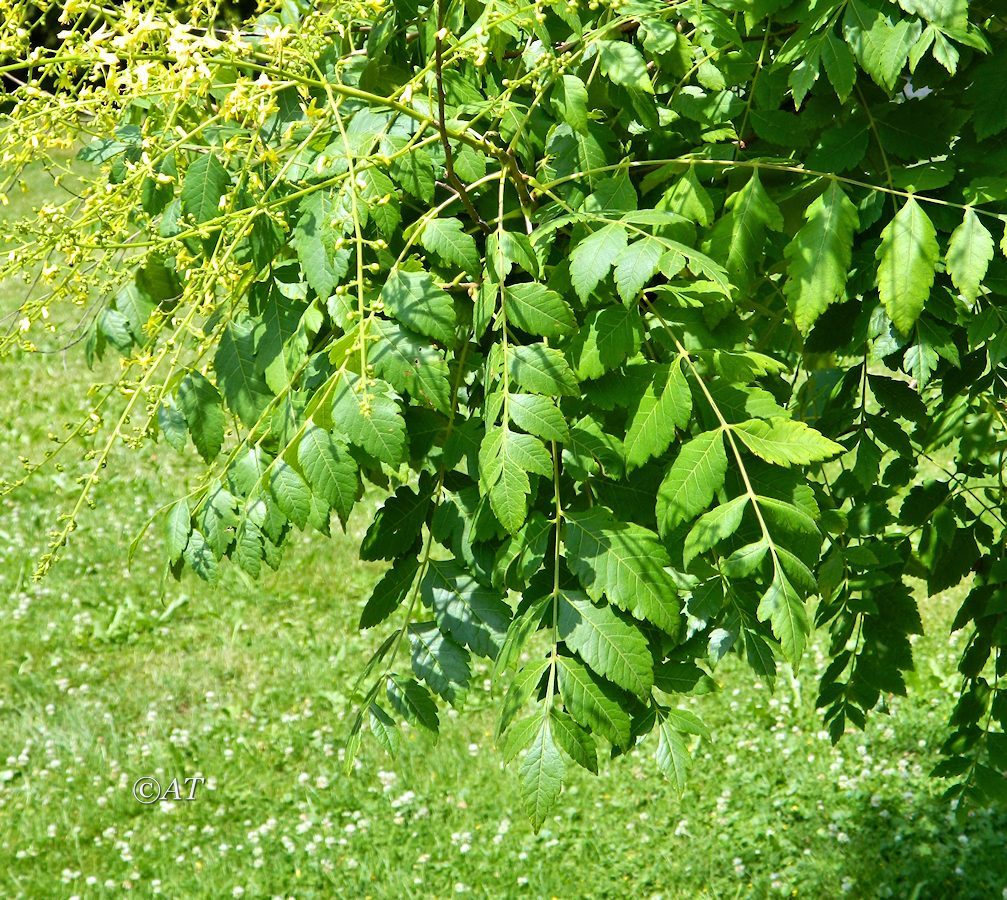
(108, 674)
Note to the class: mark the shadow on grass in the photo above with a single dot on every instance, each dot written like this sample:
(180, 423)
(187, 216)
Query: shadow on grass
(916, 846)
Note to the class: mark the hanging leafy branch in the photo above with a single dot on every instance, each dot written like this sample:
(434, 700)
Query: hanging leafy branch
(665, 329)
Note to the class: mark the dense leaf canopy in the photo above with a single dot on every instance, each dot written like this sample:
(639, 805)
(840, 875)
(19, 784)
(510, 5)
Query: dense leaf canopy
(666, 330)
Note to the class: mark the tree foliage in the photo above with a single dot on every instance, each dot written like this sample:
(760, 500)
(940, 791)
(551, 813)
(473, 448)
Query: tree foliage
(666, 330)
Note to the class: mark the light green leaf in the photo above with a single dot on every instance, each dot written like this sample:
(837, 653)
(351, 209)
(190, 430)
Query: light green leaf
(415, 172)
(536, 309)
(419, 304)
(329, 469)
(449, 240)
(686, 722)
(369, 417)
(383, 728)
(542, 771)
(412, 701)
(839, 65)
(605, 339)
(593, 701)
(673, 757)
(409, 363)
(787, 515)
(569, 99)
(505, 459)
(506, 249)
(881, 48)
(322, 220)
(689, 198)
(390, 591)
(624, 65)
(518, 737)
(906, 259)
(204, 184)
(291, 493)
(635, 266)
(696, 475)
(541, 370)
(526, 680)
(248, 548)
(592, 258)
(624, 562)
(439, 661)
(664, 405)
(171, 421)
(739, 237)
(201, 405)
(713, 527)
(969, 254)
(819, 256)
(785, 442)
(178, 530)
(238, 374)
(575, 740)
(472, 614)
(611, 646)
(783, 607)
(200, 558)
(538, 415)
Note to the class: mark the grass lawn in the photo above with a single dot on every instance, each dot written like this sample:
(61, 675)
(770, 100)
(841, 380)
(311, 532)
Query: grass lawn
(108, 674)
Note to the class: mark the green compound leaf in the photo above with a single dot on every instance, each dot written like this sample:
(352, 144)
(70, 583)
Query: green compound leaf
(697, 473)
(409, 363)
(625, 563)
(611, 646)
(783, 607)
(420, 305)
(383, 728)
(713, 527)
(439, 661)
(624, 65)
(370, 418)
(605, 340)
(322, 221)
(673, 757)
(593, 702)
(413, 702)
(819, 257)
(200, 403)
(569, 97)
(538, 415)
(664, 405)
(200, 558)
(329, 469)
(474, 615)
(969, 255)
(205, 183)
(449, 240)
(635, 266)
(542, 771)
(906, 257)
(594, 256)
(505, 460)
(291, 493)
(575, 740)
(536, 309)
(178, 530)
(541, 370)
(390, 592)
(785, 442)
(238, 374)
